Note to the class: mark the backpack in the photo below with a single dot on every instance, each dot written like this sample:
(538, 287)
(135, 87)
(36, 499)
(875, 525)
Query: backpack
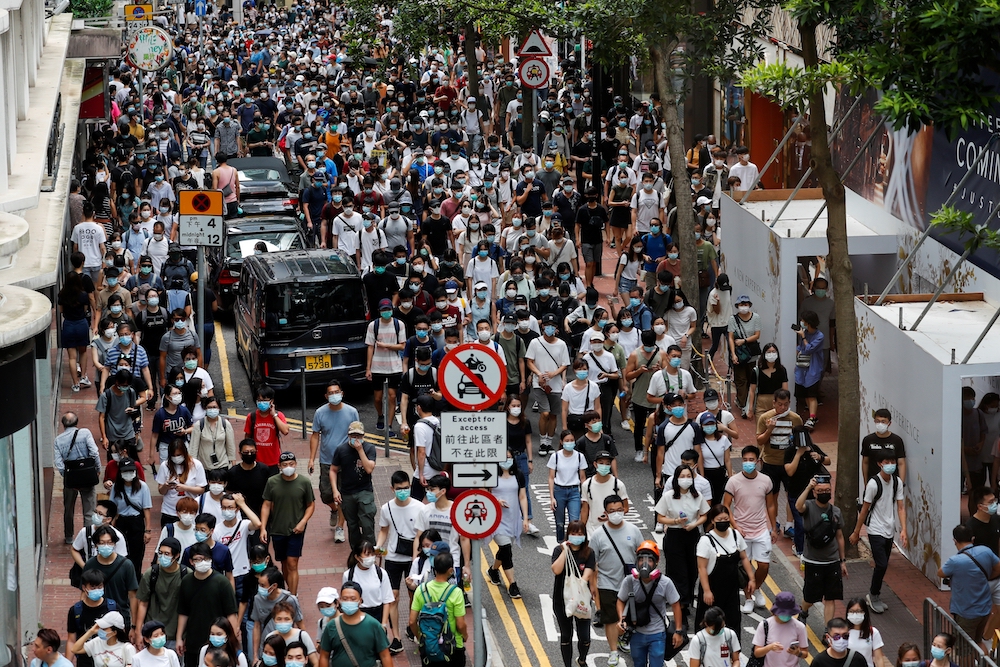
(78, 613)
(703, 636)
(253, 426)
(395, 323)
(434, 455)
(437, 641)
(823, 532)
(878, 494)
(154, 575)
(350, 573)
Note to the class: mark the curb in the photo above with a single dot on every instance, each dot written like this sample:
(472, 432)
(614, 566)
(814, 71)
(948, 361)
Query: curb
(493, 655)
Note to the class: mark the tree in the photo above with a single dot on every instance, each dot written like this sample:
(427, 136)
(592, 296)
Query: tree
(924, 57)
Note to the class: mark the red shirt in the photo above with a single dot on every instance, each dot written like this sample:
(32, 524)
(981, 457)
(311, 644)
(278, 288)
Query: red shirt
(446, 91)
(265, 435)
(111, 471)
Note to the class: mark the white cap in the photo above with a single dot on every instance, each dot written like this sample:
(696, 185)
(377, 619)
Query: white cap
(112, 619)
(327, 594)
(481, 285)
(599, 337)
(702, 201)
(471, 99)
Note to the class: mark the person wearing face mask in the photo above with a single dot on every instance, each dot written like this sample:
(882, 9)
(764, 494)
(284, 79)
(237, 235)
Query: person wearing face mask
(330, 430)
(768, 376)
(715, 645)
(985, 528)
(379, 282)
(213, 440)
(823, 558)
(865, 638)
(909, 655)
(397, 532)
(376, 588)
(974, 432)
(547, 358)
(722, 559)
(133, 503)
(120, 582)
(156, 246)
(178, 477)
(530, 193)
(839, 652)
(682, 509)
(104, 295)
(781, 640)
(883, 508)
(83, 547)
(803, 461)
(941, 651)
(356, 629)
(577, 554)
(204, 533)
(753, 510)
(82, 614)
(567, 468)
(170, 422)
(882, 439)
(642, 601)
(289, 503)
(156, 653)
(118, 405)
(351, 468)
(512, 494)
(205, 597)
(744, 169)
(821, 303)
(809, 365)
(106, 642)
(224, 647)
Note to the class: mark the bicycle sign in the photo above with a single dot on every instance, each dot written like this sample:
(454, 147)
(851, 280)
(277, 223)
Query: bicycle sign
(473, 376)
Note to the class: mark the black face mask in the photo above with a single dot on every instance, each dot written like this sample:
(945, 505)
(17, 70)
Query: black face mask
(249, 457)
(823, 498)
(722, 526)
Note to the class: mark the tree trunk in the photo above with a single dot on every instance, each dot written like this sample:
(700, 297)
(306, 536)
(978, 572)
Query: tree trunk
(471, 66)
(678, 165)
(839, 264)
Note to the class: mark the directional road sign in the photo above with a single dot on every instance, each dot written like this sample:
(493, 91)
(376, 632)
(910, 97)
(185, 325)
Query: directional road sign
(475, 475)
(472, 376)
(473, 437)
(476, 514)
(534, 73)
(534, 46)
(200, 7)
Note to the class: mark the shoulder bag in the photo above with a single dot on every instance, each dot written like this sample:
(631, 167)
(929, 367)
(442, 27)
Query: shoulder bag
(576, 594)
(79, 473)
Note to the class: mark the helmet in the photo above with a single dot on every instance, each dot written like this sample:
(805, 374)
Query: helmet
(649, 545)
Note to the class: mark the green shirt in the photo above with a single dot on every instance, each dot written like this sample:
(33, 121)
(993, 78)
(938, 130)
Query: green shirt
(456, 604)
(367, 640)
(164, 600)
(289, 499)
(706, 254)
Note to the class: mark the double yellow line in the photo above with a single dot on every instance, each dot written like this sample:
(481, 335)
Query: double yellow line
(541, 657)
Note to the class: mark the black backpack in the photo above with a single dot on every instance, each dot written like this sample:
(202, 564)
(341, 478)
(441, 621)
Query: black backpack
(434, 455)
(878, 494)
(824, 532)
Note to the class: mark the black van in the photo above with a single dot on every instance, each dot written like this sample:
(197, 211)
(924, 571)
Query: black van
(301, 308)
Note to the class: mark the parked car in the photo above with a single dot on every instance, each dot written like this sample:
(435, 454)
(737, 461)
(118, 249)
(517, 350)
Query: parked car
(240, 237)
(301, 309)
(265, 186)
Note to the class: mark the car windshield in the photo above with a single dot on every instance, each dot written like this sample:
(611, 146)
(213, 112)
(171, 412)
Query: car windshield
(305, 305)
(241, 245)
(259, 174)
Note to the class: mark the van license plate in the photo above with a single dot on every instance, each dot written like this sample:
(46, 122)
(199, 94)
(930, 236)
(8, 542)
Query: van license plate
(320, 362)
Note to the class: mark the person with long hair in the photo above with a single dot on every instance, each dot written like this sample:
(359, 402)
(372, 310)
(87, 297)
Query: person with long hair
(132, 498)
(192, 394)
(73, 302)
(272, 653)
(519, 443)
(682, 325)
(108, 639)
(223, 636)
(376, 589)
(908, 655)
(512, 493)
(566, 473)
(716, 450)
(626, 272)
(744, 334)
(768, 377)
(865, 638)
(178, 476)
(721, 553)
(711, 638)
(682, 510)
(575, 551)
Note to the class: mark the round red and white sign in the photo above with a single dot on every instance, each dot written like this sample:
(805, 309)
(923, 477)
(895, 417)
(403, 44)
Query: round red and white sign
(534, 73)
(476, 514)
(472, 376)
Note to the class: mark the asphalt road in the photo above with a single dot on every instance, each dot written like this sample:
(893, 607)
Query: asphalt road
(524, 630)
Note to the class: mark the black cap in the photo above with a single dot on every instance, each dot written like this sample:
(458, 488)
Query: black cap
(711, 395)
(126, 465)
(548, 318)
(604, 454)
(287, 456)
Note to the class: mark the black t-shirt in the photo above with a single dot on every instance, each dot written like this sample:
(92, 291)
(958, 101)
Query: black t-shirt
(590, 223)
(806, 470)
(250, 483)
(153, 326)
(590, 448)
(985, 534)
(379, 287)
(203, 601)
(119, 579)
(824, 659)
(414, 384)
(582, 563)
(435, 232)
(351, 474)
(88, 616)
(766, 386)
(516, 436)
(872, 446)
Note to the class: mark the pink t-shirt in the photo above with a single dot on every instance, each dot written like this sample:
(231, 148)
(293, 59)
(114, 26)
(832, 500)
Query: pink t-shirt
(750, 503)
(783, 633)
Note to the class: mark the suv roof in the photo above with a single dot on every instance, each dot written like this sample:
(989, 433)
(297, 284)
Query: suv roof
(260, 223)
(305, 265)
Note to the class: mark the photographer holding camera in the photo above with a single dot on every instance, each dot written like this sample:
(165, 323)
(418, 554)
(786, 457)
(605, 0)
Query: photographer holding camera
(642, 607)
(809, 364)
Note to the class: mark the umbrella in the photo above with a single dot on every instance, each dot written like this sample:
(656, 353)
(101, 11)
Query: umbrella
(266, 32)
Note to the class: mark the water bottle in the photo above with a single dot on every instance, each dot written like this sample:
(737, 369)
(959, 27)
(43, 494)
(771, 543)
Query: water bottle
(684, 516)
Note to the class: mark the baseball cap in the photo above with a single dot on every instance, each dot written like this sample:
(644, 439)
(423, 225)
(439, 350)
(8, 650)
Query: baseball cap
(440, 548)
(111, 272)
(356, 428)
(327, 594)
(384, 303)
(604, 454)
(599, 337)
(112, 619)
(451, 286)
(510, 318)
(711, 394)
(126, 464)
(707, 418)
(287, 456)
(703, 200)
(548, 318)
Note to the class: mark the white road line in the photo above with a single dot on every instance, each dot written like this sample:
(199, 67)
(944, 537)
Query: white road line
(551, 631)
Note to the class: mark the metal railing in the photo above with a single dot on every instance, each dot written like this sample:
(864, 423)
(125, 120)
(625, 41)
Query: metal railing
(966, 652)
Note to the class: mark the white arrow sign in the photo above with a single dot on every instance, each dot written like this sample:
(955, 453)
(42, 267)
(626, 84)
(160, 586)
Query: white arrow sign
(475, 475)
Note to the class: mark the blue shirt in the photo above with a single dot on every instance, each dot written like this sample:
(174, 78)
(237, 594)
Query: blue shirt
(812, 345)
(655, 246)
(332, 428)
(970, 586)
(61, 661)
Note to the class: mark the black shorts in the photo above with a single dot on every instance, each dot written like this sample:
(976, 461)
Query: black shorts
(396, 571)
(802, 393)
(287, 546)
(379, 379)
(513, 390)
(822, 582)
(609, 606)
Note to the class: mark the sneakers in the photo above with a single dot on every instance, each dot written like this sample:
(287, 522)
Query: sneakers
(410, 635)
(876, 604)
(494, 576)
(75, 388)
(811, 423)
(85, 381)
(638, 457)
(658, 528)
(515, 592)
(613, 659)
(759, 599)
(380, 424)
(533, 529)
(626, 425)
(790, 532)
(804, 615)
(338, 534)
(396, 647)
(747, 607)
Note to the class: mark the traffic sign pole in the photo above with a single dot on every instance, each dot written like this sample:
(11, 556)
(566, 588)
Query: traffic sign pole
(479, 641)
(201, 299)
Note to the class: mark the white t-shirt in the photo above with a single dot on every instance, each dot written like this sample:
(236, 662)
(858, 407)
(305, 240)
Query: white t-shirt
(687, 504)
(375, 589)
(201, 374)
(402, 518)
(547, 358)
(663, 382)
(715, 451)
(184, 535)
(119, 655)
(372, 240)
(866, 647)
(678, 323)
(724, 298)
(195, 477)
(89, 236)
(701, 485)
(882, 515)
(567, 467)
(432, 517)
(605, 360)
(708, 550)
(580, 400)
(88, 549)
(146, 659)
(423, 436)
(684, 442)
(665, 342)
(717, 647)
(235, 537)
(346, 230)
(485, 270)
(593, 493)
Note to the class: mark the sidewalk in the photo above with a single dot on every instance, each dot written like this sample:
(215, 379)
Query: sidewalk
(323, 561)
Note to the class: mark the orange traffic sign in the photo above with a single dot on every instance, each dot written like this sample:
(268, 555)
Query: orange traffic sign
(139, 12)
(201, 202)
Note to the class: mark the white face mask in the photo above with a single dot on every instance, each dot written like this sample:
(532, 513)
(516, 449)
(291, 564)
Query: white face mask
(685, 482)
(288, 471)
(177, 459)
(484, 335)
(712, 405)
(216, 489)
(659, 328)
(743, 310)
(881, 428)
(368, 561)
(615, 518)
(771, 357)
(186, 519)
(515, 412)
(856, 618)
(203, 566)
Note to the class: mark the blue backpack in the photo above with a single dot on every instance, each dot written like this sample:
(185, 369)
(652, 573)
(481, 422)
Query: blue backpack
(437, 641)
